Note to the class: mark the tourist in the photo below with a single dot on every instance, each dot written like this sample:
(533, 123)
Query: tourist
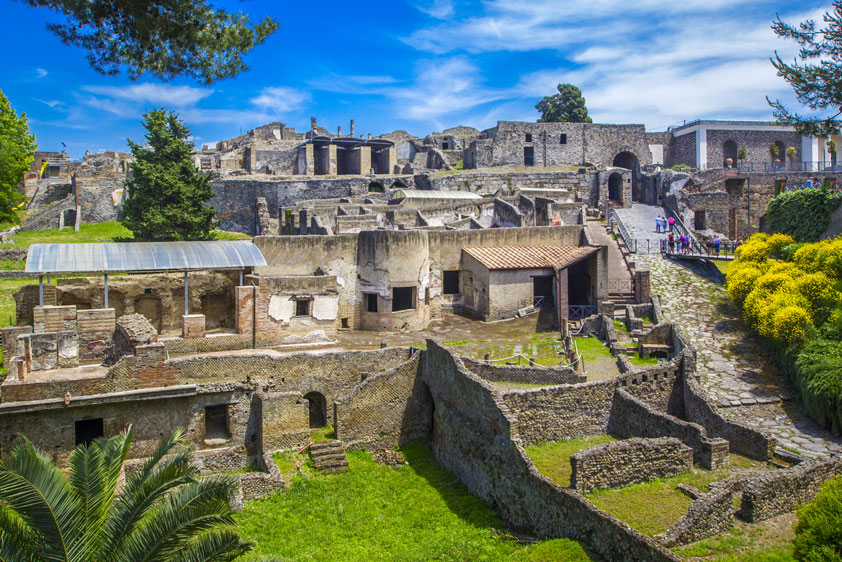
(716, 243)
(671, 242)
(671, 222)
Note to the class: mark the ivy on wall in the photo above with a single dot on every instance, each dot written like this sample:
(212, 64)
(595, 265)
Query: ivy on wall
(803, 214)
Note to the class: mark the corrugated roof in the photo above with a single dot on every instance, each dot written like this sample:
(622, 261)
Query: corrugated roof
(430, 194)
(142, 256)
(530, 257)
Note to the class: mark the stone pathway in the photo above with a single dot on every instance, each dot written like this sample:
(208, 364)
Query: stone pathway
(736, 371)
(639, 220)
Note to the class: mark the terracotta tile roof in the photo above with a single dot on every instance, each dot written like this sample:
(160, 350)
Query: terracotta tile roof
(528, 257)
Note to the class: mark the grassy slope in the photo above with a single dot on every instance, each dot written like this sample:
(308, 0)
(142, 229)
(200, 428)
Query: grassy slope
(553, 458)
(371, 512)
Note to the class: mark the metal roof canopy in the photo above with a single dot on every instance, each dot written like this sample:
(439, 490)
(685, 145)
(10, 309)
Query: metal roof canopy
(44, 259)
(432, 194)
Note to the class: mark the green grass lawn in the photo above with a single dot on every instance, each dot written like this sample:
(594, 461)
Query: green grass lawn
(98, 232)
(651, 507)
(371, 512)
(552, 458)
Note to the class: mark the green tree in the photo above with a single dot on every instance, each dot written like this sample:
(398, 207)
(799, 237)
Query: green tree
(165, 512)
(166, 193)
(567, 106)
(165, 38)
(815, 75)
(17, 147)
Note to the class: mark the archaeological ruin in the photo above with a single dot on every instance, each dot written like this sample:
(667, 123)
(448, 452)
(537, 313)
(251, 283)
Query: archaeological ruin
(365, 256)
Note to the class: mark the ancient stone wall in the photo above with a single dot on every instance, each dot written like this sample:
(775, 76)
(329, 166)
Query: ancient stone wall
(491, 462)
(386, 410)
(518, 374)
(744, 440)
(623, 463)
(781, 491)
(631, 416)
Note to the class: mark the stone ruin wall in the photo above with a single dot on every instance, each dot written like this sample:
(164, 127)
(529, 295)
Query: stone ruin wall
(623, 463)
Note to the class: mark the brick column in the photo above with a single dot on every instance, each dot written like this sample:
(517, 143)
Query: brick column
(641, 286)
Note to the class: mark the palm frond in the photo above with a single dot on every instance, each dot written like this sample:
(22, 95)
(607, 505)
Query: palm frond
(218, 545)
(18, 541)
(94, 473)
(41, 495)
(193, 508)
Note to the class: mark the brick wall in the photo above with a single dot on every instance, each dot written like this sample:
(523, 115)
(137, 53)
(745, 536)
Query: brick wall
(623, 463)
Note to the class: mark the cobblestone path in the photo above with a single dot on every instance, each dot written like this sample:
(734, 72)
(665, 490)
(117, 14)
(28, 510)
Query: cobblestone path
(736, 371)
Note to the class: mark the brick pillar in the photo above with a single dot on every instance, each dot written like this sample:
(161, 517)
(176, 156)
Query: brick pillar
(641, 286)
(244, 306)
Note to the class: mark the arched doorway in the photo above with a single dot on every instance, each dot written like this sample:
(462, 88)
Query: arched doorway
(318, 409)
(629, 161)
(615, 187)
(729, 150)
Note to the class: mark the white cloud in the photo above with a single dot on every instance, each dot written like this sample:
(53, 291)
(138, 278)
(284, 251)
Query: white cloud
(157, 94)
(441, 88)
(652, 61)
(280, 100)
(41, 72)
(439, 9)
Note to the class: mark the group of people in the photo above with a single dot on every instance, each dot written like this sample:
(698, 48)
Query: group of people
(683, 243)
(661, 224)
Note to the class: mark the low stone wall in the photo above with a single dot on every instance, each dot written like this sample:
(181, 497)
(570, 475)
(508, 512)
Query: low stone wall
(476, 437)
(623, 463)
(631, 416)
(531, 375)
(386, 410)
(744, 440)
(781, 491)
(708, 515)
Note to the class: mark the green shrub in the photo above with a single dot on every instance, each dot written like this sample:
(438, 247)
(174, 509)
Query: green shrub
(818, 374)
(803, 214)
(818, 534)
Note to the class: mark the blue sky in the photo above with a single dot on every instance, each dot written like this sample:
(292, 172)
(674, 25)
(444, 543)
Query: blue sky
(422, 66)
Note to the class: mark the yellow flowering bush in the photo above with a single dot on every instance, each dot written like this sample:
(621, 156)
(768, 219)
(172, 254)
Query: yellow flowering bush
(753, 250)
(791, 324)
(818, 289)
(741, 282)
(776, 242)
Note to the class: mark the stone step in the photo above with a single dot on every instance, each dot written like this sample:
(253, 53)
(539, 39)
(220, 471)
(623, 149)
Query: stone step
(327, 452)
(338, 455)
(325, 444)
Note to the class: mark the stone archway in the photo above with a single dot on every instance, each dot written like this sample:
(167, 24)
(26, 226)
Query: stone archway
(628, 160)
(318, 409)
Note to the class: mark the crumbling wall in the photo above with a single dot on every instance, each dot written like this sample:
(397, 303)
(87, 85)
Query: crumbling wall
(623, 463)
(491, 462)
(781, 491)
(386, 410)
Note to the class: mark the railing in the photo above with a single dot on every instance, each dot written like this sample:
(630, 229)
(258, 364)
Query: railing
(580, 311)
(630, 242)
(621, 285)
(543, 302)
(726, 250)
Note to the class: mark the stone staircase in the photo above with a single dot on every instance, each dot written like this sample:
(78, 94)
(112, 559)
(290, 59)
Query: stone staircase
(329, 457)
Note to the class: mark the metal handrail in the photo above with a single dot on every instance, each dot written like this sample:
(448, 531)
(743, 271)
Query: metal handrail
(623, 232)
